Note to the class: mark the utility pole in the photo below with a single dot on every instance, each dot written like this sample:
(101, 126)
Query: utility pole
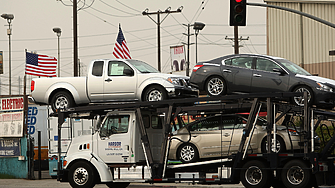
(159, 12)
(75, 40)
(236, 40)
(188, 48)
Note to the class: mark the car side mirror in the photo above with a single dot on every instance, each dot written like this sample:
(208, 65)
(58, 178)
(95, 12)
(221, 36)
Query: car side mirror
(278, 70)
(128, 72)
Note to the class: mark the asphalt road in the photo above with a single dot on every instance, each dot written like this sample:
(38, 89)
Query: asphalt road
(47, 181)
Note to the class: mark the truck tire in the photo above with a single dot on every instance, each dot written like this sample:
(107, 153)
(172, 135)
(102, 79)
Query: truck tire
(255, 174)
(296, 174)
(155, 93)
(61, 100)
(188, 153)
(117, 185)
(81, 175)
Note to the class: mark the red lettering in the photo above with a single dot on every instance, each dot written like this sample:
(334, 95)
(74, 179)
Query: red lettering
(3, 102)
(179, 50)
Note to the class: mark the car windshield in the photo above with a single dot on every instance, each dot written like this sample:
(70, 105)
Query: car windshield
(143, 67)
(296, 69)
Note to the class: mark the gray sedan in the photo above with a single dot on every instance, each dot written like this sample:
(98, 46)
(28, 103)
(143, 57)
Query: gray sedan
(249, 73)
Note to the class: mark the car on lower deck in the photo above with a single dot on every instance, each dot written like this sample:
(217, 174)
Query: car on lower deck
(220, 135)
(250, 73)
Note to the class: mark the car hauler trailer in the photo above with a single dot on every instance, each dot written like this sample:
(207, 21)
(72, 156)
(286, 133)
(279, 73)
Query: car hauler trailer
(131, 144)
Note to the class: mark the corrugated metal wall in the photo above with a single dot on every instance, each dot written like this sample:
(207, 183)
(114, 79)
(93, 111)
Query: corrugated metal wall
(302, 40)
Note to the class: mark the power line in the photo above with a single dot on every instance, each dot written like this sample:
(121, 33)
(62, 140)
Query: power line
(127, 6)
(119, 9)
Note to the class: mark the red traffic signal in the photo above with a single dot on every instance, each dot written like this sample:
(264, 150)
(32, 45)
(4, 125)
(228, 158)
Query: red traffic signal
(238, 12)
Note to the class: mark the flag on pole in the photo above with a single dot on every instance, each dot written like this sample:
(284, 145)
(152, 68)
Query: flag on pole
(121, 50)
(40, 65)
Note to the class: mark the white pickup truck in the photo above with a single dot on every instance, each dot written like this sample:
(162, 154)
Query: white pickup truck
(111, 80)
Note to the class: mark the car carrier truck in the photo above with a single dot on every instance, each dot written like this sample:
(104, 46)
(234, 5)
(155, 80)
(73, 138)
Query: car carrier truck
(131, 144)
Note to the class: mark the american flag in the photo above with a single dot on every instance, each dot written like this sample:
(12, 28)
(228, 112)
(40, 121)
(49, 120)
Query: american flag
(121, 50)
(40, 65)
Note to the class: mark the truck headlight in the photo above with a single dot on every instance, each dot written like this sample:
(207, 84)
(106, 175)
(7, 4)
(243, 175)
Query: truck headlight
(174, 81)
(324, 87)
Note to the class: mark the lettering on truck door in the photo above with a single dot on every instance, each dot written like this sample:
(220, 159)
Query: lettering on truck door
(114, 139)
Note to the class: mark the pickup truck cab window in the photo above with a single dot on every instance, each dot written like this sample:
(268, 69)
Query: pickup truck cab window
(97, 68)
(115, 125)
(118, 68)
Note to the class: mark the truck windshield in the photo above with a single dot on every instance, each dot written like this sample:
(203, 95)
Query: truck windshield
(142, 67)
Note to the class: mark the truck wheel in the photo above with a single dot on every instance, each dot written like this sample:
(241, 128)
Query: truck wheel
(254, 174)
(155, 93)
(81, 175)
(117, 185)
(296, 174)
(215, 86)
(280, 146)
(62, 100)
(188, 153)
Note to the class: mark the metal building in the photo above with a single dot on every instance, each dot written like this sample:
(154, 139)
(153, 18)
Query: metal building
(302, 40)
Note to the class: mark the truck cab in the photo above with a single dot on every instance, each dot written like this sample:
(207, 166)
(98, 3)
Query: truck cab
(113, 148)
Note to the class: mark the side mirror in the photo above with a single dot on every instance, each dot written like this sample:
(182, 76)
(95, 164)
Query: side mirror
(128, 72)
(278, 70)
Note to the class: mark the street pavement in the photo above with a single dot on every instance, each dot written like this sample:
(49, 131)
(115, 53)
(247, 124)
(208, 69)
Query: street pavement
(46, 181)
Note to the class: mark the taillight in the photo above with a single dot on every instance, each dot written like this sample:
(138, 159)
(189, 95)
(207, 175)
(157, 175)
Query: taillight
(197, 67)
(32, 87)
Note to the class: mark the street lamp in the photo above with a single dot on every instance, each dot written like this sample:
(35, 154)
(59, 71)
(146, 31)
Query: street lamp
(58, 31)
(9, 18)
(197, 26)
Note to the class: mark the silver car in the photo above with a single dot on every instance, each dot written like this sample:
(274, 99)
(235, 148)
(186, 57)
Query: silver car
(218, 136)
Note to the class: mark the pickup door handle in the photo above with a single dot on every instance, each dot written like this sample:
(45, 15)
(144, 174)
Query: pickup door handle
(194, 135)
(108, 80)
(257, 75)
(226, 70)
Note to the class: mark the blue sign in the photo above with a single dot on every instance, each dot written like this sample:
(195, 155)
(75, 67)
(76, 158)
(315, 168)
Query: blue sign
(10, 147)
(32, 113)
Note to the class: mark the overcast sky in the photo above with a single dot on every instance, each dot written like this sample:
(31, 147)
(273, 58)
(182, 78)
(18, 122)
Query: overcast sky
(98, 27)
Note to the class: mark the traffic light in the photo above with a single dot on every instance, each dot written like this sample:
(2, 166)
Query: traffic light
(238, 12)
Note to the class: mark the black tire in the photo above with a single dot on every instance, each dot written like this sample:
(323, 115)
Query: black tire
(188, 153)
(81, 175)
(296, 174)
(300, 100)
(117, 185)
(281, 147)
(254, 174)
(215, 86)
(62, 100)
(155, 93)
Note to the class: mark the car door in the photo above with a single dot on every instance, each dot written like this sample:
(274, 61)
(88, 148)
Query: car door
(264, 79)
(118, 84)
(237, 73)
(237, 133)
(205, 134)
(114, 139)
(95, 85)
(229, 132)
